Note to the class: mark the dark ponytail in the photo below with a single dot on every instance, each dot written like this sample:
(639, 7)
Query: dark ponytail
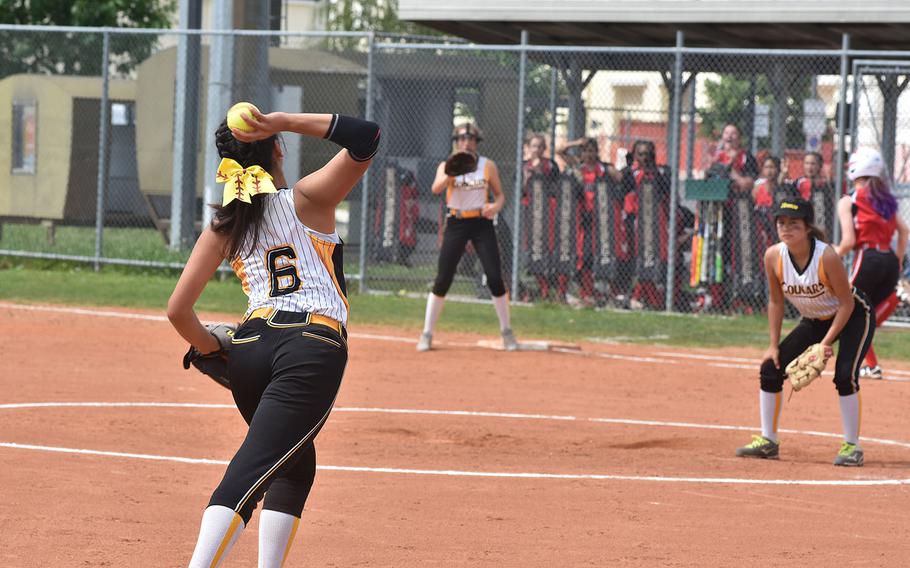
(237, 220)
(816, 232)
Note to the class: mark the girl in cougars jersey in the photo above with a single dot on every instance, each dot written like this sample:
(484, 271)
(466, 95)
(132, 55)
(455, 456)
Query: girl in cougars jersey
(289, 352)
(808, 273)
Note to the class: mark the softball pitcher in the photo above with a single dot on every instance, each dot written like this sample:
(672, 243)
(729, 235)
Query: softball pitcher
(808, 273)
(470, 218)
(289, 352)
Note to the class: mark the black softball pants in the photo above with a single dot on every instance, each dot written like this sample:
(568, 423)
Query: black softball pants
(481, 232)
(284, 376)
(876, 273)
(853, 342)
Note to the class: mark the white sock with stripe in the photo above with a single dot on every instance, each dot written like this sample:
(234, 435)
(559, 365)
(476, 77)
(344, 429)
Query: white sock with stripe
(434, 308)
(850, 416)
(220, 528)
(770, 405)
(501, 304)
(276, 535)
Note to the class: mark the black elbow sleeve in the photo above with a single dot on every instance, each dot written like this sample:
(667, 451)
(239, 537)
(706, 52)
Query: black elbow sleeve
(360, 137)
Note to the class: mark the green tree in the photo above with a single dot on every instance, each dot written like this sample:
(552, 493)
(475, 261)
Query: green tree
(370, 15)
(728, 102)
(78, 53)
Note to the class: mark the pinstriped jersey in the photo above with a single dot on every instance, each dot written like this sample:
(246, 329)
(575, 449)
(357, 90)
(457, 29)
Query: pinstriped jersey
(292, 267)
(470, 191)
(808, 290)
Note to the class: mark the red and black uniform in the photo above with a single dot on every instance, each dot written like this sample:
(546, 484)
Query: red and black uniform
(743, 280)
(820, 193)
(547, 214)
(602, 237)
(876, 269)
(647, 204)
(396, 210)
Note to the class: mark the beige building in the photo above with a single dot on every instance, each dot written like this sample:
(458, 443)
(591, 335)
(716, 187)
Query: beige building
(52, 156)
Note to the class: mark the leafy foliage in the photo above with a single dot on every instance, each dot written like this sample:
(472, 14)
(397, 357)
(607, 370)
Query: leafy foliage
(728, 102)
(78, 53)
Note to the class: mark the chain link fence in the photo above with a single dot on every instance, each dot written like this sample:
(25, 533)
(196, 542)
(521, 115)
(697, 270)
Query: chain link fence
(628, 184)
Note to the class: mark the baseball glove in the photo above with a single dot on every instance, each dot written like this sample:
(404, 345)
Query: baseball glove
(807, 367)
(460, 163)
(214, 364)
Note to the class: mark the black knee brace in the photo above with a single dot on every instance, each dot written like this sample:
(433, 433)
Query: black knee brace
(772, 378)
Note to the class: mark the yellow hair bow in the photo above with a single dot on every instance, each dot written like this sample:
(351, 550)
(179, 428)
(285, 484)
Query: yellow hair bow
(242, 183)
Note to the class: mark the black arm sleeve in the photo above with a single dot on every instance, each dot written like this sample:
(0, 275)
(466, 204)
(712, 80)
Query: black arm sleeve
(360, 137)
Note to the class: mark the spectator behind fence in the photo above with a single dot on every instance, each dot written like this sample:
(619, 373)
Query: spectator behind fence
(817, 189)
(541, 205)
(595, 248)
(743, 284)
(647, 202)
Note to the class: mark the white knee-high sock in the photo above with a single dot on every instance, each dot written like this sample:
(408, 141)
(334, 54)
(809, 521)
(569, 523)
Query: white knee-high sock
(220, 528)
(501, 304)
(770, 404)
(434, 308)
(850, 413)
(276, 535)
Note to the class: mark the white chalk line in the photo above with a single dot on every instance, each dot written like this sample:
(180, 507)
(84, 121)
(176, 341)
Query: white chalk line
(459, 473)
(488, 474)
(712, 360)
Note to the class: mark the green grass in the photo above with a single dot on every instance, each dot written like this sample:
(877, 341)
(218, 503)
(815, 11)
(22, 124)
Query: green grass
(82, 286)
(143, 244)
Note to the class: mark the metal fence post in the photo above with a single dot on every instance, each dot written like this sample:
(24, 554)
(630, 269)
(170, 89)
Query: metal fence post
(519, 155)
(553, 96)
(102, 146)
(841, 127)
(221, 69)
(675, 119)
(365, 182)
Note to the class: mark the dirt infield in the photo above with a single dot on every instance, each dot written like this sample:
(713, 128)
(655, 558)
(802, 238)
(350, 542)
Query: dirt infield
(615, 456)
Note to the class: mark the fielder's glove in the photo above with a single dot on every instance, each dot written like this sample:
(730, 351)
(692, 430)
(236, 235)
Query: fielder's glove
(808, 366)
(460, 163)
(214, 364)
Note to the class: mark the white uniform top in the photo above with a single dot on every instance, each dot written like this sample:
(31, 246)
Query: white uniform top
(470, 191)
(809, 290)
(292, 267)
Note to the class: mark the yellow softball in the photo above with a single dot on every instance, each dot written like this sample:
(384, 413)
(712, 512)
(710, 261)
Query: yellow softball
(235, 120)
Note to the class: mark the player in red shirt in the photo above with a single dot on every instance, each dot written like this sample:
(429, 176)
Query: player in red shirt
(588, 170)
(546, 270)
(868, 219)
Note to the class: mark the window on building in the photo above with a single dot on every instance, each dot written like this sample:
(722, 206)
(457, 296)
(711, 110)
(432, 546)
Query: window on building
(25, 133)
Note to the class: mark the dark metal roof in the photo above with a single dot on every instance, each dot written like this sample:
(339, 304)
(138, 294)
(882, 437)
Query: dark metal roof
(649, 34)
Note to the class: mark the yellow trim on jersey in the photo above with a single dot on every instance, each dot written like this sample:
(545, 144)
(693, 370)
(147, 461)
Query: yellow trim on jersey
(325, 249)
(240, 271)
(822, 275)
(780, 267)
(235, 522)
(486, 180)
